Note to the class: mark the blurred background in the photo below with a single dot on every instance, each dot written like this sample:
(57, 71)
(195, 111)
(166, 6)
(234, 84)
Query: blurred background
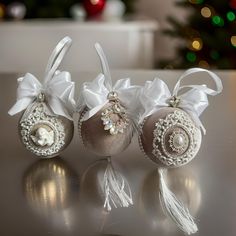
(135, 34)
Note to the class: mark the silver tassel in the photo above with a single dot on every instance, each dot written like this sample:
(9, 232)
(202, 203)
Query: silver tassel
(116, 189)
(173, 208)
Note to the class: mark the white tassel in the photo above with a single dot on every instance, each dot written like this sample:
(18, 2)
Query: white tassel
(114, 187)
(174, 208)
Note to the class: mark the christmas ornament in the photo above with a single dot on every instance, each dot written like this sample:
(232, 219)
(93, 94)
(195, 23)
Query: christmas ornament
(16, 11)
(94, 7)
(46, 127)
(78, 12)
(106, 126)
(114, 9)
(171, 133)
(51, 189)
(232, 4)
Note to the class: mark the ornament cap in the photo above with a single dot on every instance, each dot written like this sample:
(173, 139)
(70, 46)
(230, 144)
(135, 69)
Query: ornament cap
(41, 97)
(174, 101)
(112, 96)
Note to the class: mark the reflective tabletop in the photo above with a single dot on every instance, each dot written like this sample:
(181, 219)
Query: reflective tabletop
(61, 196)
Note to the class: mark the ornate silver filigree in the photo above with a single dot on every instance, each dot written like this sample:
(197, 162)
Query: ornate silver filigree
(42, 134)
(175, 139)
(114, 117)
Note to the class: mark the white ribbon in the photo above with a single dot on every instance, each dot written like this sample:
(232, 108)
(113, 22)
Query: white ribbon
(156, 95)
(57, 86)
(94, 94)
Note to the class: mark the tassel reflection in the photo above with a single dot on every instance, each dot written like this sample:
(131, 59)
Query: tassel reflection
(182, 183)
(92, 198)
(51, 188)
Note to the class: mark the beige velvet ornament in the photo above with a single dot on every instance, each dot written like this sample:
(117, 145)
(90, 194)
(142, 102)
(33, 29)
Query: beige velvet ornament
(46, 127)
(106, 127)
(170, 137)
(170, 134)
(101, 141)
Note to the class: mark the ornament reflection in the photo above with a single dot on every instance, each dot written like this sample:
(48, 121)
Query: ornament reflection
(51, 188)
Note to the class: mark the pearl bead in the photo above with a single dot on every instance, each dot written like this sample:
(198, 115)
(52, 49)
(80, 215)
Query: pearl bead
(178, 140)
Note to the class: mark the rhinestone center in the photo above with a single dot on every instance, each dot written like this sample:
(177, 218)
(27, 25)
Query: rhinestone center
(114, 118)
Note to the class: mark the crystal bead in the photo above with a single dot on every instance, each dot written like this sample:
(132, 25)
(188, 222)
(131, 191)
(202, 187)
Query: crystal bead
(113, 131)
(108, 126)
(117, 108)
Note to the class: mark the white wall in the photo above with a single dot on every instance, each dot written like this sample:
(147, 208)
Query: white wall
(160, 9)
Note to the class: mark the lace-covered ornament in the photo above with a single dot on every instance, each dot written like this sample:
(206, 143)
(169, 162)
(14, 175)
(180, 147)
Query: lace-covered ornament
(175, 138)
(170, 134)
(46, 127)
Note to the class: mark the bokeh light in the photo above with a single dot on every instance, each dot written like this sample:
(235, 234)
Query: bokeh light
(197, 44)
(233, 40)
(230, 16)
(191, 56)
(196, 1)
(206, 12)
(214, 54)
(217, 20)
(2, 10)
(204, 64)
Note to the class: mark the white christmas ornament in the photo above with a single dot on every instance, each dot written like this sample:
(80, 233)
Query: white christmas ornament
(114, 10)
(170, 133)
(46, 127)
(78, 12)
(16, 10)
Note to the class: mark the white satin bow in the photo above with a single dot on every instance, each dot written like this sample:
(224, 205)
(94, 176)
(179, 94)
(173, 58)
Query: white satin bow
(57, 86)
(156, 95)
(94, 94)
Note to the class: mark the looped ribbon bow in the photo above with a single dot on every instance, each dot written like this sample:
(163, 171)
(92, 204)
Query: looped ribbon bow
(95, 94)
(156, 95)
(57, 86)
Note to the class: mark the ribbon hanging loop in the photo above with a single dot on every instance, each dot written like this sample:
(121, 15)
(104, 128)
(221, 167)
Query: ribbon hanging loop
(57, 87)
(56, 58)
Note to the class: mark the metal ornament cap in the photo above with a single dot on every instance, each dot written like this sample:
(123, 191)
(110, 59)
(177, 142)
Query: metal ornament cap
(170, 137)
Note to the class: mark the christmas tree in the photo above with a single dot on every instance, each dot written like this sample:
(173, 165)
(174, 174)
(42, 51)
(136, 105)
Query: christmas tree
(208, 35)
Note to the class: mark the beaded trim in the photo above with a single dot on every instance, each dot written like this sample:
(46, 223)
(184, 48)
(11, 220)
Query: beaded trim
(80, 123)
